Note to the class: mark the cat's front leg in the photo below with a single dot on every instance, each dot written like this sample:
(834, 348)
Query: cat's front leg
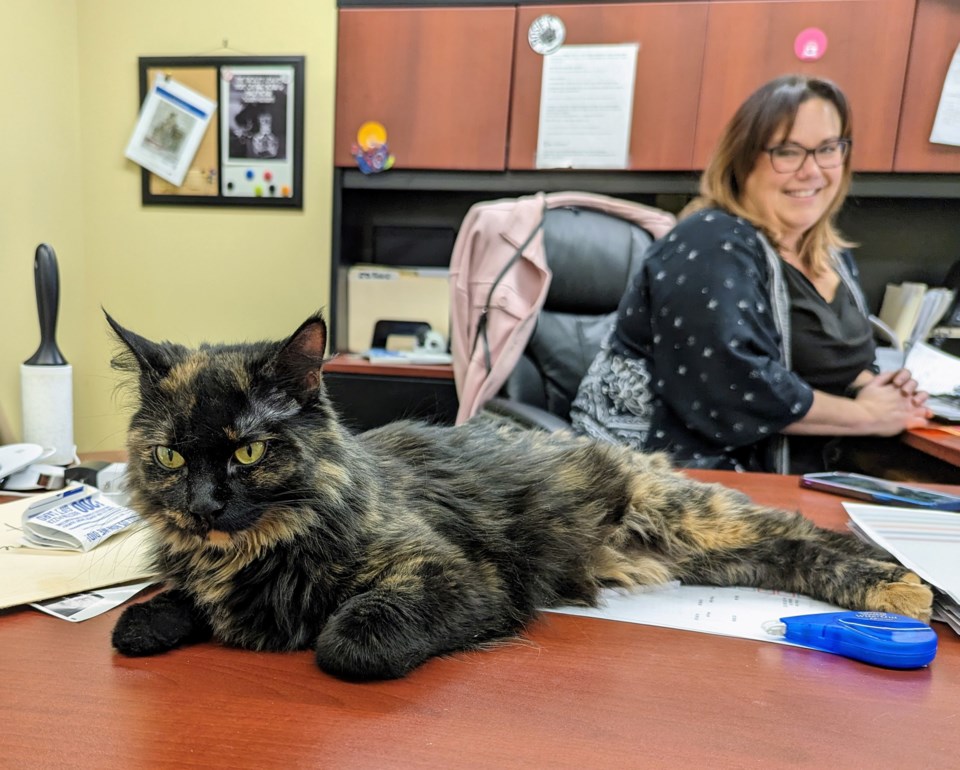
(379, 634)
(411, 615)
(157, 625)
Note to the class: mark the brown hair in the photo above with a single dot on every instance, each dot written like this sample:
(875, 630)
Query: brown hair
(769, 110)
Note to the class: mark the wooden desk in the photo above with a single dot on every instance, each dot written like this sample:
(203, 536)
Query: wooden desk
(369, 395)
(937, 443)
(352, 363)
(573, 693)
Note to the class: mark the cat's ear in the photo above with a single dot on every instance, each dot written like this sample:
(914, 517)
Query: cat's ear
(139, 355)
(300, 358)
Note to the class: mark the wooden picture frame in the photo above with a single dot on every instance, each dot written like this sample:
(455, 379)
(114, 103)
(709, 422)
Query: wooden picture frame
(252, 151)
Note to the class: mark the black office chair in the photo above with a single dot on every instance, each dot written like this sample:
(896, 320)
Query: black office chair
(592, 256)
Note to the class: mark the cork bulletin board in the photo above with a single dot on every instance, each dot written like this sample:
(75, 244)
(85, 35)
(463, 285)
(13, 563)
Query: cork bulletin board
(251, 153)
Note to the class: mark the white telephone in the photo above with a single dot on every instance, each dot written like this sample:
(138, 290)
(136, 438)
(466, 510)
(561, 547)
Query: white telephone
(19, 469)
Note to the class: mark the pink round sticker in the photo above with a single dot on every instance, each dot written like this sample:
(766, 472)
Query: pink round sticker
(810, 44)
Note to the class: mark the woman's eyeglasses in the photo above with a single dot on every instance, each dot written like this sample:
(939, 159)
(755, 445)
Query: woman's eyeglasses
(790, 157)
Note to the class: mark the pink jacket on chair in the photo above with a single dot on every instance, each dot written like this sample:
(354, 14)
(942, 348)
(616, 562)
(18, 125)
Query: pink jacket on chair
(491, 234)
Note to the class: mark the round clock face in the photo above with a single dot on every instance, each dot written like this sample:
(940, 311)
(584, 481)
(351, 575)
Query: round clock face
(546, 34)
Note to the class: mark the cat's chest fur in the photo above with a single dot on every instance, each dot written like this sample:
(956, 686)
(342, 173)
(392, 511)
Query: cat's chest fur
(278, 599)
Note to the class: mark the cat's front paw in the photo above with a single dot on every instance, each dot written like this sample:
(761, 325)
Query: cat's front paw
(158, 625)
(906, 596)
(371, 638)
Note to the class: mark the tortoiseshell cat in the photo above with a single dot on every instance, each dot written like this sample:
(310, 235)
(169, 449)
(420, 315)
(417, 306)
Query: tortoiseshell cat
(277, 529)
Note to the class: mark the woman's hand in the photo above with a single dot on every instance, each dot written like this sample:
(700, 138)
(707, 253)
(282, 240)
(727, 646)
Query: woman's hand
(903, 379)
(893, 403)
(885, 405)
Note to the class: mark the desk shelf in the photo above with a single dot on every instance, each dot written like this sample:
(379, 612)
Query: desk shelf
(370, 395)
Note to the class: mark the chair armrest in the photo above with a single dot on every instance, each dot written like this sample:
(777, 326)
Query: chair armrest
(526, 415)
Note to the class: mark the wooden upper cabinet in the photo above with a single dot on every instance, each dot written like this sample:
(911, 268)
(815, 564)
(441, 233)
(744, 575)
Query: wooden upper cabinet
(438, 79)
(936, 34)
(867, 41)
(671, 38)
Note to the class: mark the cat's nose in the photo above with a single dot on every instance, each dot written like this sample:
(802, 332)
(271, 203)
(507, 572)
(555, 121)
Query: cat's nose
(204, 503)
(207, 509)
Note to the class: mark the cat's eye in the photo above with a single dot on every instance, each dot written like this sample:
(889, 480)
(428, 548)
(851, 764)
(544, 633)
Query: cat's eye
(169, 458)
(251, 453)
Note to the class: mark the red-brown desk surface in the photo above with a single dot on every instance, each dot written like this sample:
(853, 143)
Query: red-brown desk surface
(572, 693)
(940, 444)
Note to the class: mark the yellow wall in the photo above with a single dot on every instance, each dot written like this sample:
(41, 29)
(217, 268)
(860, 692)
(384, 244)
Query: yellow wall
(181, 273)
(40, 195)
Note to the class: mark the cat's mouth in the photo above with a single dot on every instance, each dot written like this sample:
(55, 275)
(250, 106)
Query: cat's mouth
(229, 520)
(261, 525)
(215, 526)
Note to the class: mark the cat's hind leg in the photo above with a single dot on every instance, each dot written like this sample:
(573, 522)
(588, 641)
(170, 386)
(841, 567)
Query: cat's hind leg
(810, 567)
(709, 534)
(166, 621)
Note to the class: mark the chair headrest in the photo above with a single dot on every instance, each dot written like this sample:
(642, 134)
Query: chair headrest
(592, 256)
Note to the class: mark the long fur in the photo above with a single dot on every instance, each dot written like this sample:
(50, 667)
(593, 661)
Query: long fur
(383, 549)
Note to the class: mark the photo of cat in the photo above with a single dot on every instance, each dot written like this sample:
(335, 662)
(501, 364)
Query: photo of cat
(278, 529)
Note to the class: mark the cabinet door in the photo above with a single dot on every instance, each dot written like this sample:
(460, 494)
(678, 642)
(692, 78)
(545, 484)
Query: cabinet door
(671, 37)
(749, 43)
(936, 34)
(438, 79)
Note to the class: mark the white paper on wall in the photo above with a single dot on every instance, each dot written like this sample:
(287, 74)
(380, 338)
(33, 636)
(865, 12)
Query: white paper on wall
(586, 106)
(946, 125)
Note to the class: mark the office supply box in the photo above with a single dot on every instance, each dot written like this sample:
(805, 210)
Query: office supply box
(377, 293)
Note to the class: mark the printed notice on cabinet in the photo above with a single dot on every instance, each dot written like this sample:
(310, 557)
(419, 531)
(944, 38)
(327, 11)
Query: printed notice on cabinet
(946, 126)
(586, 106)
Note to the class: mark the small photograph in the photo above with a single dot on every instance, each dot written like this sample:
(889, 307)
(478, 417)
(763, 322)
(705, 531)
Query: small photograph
(172, 121)
(168, 130)
(68, 606)
(258, 116)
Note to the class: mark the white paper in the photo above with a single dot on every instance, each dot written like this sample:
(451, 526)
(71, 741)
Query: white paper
(740, 612)
(926, 542)
(934, 370)
(173, 120)
(79, 607)
(586, 106)
(946, 125)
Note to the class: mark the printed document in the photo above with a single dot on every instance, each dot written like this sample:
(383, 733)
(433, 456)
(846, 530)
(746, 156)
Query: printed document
(925, 541)
(586, 106)
(946, 125)
(726, 611)
(935, 371)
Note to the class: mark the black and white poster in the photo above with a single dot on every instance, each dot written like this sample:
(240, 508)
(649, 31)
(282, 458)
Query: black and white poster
(257, 148)
(258, 115)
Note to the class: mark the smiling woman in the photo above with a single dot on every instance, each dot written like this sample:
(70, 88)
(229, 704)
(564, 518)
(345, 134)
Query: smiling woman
(746, 325)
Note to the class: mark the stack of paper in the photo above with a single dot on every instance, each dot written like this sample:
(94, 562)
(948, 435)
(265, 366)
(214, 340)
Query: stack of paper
(923, 541)
(30, 574)
(938, 373)
(911, 310)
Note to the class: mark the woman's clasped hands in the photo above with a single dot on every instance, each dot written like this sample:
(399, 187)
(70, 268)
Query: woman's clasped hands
(893, 403)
